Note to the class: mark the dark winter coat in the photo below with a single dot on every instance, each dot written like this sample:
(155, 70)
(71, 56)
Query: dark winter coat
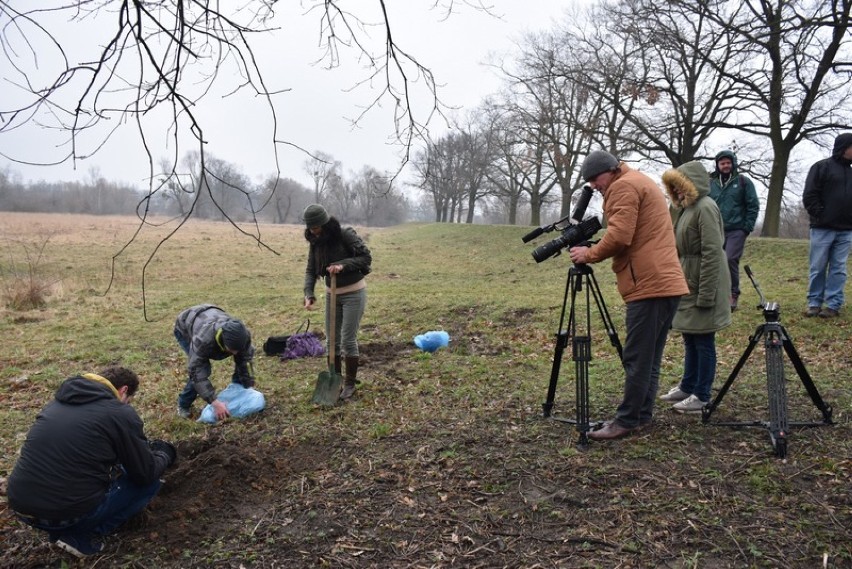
(700, 236)
(350, 251)
(828, 189)
(199, 325)
(736, 196)
(74, 450)
(639, 239)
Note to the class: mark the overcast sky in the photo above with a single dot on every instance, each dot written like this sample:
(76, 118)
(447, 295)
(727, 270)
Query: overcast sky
(315, 113)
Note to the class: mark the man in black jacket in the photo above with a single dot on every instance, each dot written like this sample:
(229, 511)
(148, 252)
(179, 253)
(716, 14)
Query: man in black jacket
(86, 467)
(828, 201)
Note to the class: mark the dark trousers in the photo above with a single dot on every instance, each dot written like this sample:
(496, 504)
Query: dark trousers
(734, 245)
(648, 322)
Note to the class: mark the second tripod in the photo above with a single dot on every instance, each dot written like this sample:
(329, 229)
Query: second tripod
(580, 277)
(776, 339)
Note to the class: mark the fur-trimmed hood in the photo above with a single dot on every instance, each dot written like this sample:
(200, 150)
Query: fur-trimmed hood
(691, 179)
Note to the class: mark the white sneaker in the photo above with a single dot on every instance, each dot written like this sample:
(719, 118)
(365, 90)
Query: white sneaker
(691, 404)
(675, 394)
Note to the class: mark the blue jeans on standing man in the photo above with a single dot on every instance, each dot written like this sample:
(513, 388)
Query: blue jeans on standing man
(699, 365)
(829, 250)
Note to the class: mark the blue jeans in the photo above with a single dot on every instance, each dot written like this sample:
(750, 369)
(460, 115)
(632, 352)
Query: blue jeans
(699, 364)
(648, 322)
(188, 396)
(828, 253)
(350, 309)
(123, 500)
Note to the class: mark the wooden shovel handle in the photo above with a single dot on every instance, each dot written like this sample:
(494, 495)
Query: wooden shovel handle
(332, 321)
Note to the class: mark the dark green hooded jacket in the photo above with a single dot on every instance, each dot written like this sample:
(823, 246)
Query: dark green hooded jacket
(736, 197)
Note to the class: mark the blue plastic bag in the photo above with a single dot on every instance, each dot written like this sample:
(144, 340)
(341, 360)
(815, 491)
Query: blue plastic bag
(431, 341)
(241, 401)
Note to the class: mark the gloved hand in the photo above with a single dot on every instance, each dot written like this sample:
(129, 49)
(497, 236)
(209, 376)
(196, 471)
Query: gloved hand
(164, 448)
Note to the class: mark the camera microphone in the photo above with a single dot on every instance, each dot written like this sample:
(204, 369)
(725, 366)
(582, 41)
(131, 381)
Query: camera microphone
(582, 204)
(532, 234)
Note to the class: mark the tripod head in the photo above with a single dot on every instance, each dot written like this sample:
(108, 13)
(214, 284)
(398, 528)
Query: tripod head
(771, 310)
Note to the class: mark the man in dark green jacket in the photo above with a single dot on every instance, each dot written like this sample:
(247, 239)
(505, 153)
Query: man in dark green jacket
(736, 197)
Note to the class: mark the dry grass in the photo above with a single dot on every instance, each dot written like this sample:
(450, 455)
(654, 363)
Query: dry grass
(445, 459)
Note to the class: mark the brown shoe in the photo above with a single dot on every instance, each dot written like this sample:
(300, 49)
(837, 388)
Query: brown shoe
(610, 430)
(828, 313)
(812, 311)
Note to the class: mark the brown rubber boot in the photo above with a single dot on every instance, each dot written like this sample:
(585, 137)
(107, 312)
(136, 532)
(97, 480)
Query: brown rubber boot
(338, 365)
(351, 377)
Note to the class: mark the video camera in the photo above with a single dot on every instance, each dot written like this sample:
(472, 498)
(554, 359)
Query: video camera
(572, 234)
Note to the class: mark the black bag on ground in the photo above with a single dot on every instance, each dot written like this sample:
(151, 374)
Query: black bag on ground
(275, 345)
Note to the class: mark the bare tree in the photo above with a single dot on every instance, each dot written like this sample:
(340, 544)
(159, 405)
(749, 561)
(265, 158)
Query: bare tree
(167, 56)
(323, 169)
(792, 62)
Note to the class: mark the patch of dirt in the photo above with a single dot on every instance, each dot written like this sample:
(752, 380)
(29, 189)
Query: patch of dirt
(498, 488)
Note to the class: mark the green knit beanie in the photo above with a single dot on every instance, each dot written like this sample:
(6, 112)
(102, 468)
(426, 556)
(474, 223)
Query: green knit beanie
(315, 216)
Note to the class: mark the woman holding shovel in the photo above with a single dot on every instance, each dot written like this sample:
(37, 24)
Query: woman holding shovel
(340, 257)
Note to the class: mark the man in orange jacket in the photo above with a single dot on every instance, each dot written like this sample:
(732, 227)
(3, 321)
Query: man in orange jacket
(640, 241)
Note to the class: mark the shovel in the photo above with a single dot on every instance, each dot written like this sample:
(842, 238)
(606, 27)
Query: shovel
(327, 390)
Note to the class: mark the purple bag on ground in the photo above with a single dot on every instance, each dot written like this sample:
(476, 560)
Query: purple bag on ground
(303, 344)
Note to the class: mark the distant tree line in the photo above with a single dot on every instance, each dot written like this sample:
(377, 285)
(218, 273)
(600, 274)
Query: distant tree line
(367, 197)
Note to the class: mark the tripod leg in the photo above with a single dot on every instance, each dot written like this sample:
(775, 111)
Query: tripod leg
(582, 356)
(561, 343)
(607, 319)
(777, 388)
(802, 371)
(710, 407)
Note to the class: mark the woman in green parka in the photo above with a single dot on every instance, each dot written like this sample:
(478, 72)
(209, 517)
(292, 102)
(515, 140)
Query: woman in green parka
(699, 235)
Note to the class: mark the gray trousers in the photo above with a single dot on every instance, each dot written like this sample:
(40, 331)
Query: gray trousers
(350, 308)
(734, 245)
(648, 322)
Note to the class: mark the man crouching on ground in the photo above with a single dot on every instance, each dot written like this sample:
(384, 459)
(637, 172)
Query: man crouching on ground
(86, 466)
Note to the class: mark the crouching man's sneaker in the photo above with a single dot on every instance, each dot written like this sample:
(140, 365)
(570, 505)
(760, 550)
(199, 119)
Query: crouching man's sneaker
(78, 546)
(184, 413)
(691, 404)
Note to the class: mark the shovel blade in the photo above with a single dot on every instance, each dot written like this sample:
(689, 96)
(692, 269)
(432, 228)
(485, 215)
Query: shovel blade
(327, 390)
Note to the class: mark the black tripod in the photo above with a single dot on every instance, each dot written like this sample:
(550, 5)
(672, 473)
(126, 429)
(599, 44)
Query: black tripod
(578, 275)
(775, 338)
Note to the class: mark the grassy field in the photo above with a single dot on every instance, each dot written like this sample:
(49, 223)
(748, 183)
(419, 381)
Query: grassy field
(444, 459)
